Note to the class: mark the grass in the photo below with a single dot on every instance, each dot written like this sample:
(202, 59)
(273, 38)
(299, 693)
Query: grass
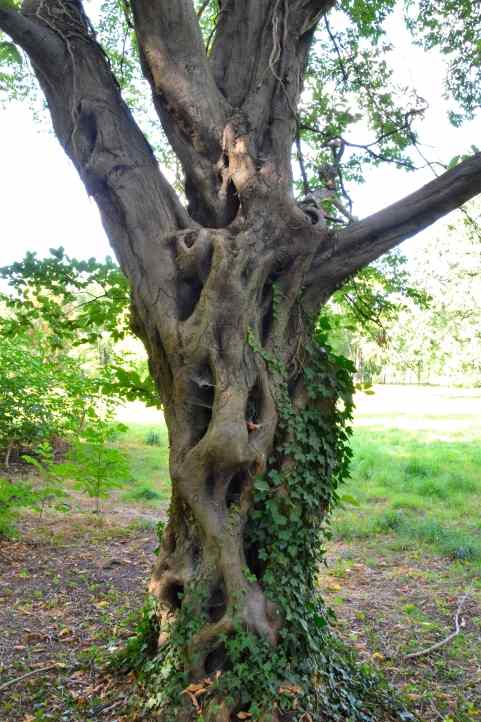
(147, 446)
(416, 471)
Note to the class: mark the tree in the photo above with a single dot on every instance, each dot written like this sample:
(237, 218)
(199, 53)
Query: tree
(413, 338)
(225, 293)
(45, 397)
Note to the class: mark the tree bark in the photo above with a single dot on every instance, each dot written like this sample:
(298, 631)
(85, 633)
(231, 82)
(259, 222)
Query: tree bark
(221, 292)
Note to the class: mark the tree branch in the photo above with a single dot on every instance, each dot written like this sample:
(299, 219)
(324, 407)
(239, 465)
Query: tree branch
(258, 59)
(37, 40)
(192, 110)
(139, 209)
(364, 241)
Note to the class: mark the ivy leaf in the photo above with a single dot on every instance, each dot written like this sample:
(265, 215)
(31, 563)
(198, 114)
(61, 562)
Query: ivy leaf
(348, 499)
(261, 485)
(320, 622)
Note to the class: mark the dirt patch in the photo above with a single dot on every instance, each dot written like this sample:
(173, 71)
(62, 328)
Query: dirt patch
(69, 591)
(393, 603)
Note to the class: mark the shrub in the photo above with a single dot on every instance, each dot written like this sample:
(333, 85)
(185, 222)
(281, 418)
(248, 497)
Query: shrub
(152, 438)
(13, 496)
(95, 467)
(43, 396)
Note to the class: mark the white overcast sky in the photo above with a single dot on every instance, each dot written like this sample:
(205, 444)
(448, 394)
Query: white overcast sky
(44, 205)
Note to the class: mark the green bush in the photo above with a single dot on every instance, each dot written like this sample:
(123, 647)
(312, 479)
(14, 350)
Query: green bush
(142, 493)
(13, 497)
(95, 467)
(43, 396)
(152, 438)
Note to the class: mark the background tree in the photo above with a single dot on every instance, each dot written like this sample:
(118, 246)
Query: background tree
(225, 292)
(432, 337)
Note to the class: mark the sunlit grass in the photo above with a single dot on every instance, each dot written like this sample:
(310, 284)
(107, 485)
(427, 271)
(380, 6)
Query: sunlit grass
(416, 470)
(149, 462)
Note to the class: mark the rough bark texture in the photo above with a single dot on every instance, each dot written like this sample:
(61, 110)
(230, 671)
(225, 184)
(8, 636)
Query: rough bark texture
(204, 280)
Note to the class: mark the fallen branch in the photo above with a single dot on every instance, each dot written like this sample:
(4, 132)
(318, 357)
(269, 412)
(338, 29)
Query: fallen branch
(459, 623)
(29, 674)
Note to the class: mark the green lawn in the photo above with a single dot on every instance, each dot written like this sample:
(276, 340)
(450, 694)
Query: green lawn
(147, 446)
(416, 471)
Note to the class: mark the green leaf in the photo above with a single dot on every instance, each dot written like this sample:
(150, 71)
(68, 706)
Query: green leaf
(10, 52)
(348, 499)
(320, 622)
(454, 162)
(261, 485)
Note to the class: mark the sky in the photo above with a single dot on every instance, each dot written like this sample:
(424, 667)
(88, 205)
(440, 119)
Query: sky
(44, 205)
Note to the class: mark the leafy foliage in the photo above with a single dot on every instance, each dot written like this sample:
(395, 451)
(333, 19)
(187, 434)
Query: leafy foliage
(375, 297)
(431, 338)
(42, 396)
(77, 304)
(13, 497)
(455, 28)
(96, 467)
(78, 301)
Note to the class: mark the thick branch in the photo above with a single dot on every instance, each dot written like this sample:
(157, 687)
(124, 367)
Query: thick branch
(258, 58)
(37, 40)
(139, 209)
(192, 111)
(360, 243)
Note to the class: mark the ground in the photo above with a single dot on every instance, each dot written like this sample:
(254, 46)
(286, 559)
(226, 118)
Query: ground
(398, 567)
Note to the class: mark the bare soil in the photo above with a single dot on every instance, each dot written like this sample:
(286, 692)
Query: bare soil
(68, 591)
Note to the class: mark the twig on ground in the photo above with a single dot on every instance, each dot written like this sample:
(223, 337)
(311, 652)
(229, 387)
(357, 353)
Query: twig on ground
(459, 623)
(28, 674)
(105, 708)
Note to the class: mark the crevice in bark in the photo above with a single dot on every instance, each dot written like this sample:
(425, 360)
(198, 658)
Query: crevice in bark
(210, 486)
(254, 406)
(254, 564)
(172, 595)
(217, 604)
(216, 659)
(201, 399)
(268, 314)
(188, 295)
(85, 134)
(247, 271)
(235, 488)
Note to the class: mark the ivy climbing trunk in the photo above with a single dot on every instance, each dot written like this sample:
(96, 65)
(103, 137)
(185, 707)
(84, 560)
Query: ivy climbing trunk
(225, 293)
(239, 309)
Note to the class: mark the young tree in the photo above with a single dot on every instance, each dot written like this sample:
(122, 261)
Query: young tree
(224, 293)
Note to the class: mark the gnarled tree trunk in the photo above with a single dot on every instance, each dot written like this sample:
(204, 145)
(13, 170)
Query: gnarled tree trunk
(221, 290)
